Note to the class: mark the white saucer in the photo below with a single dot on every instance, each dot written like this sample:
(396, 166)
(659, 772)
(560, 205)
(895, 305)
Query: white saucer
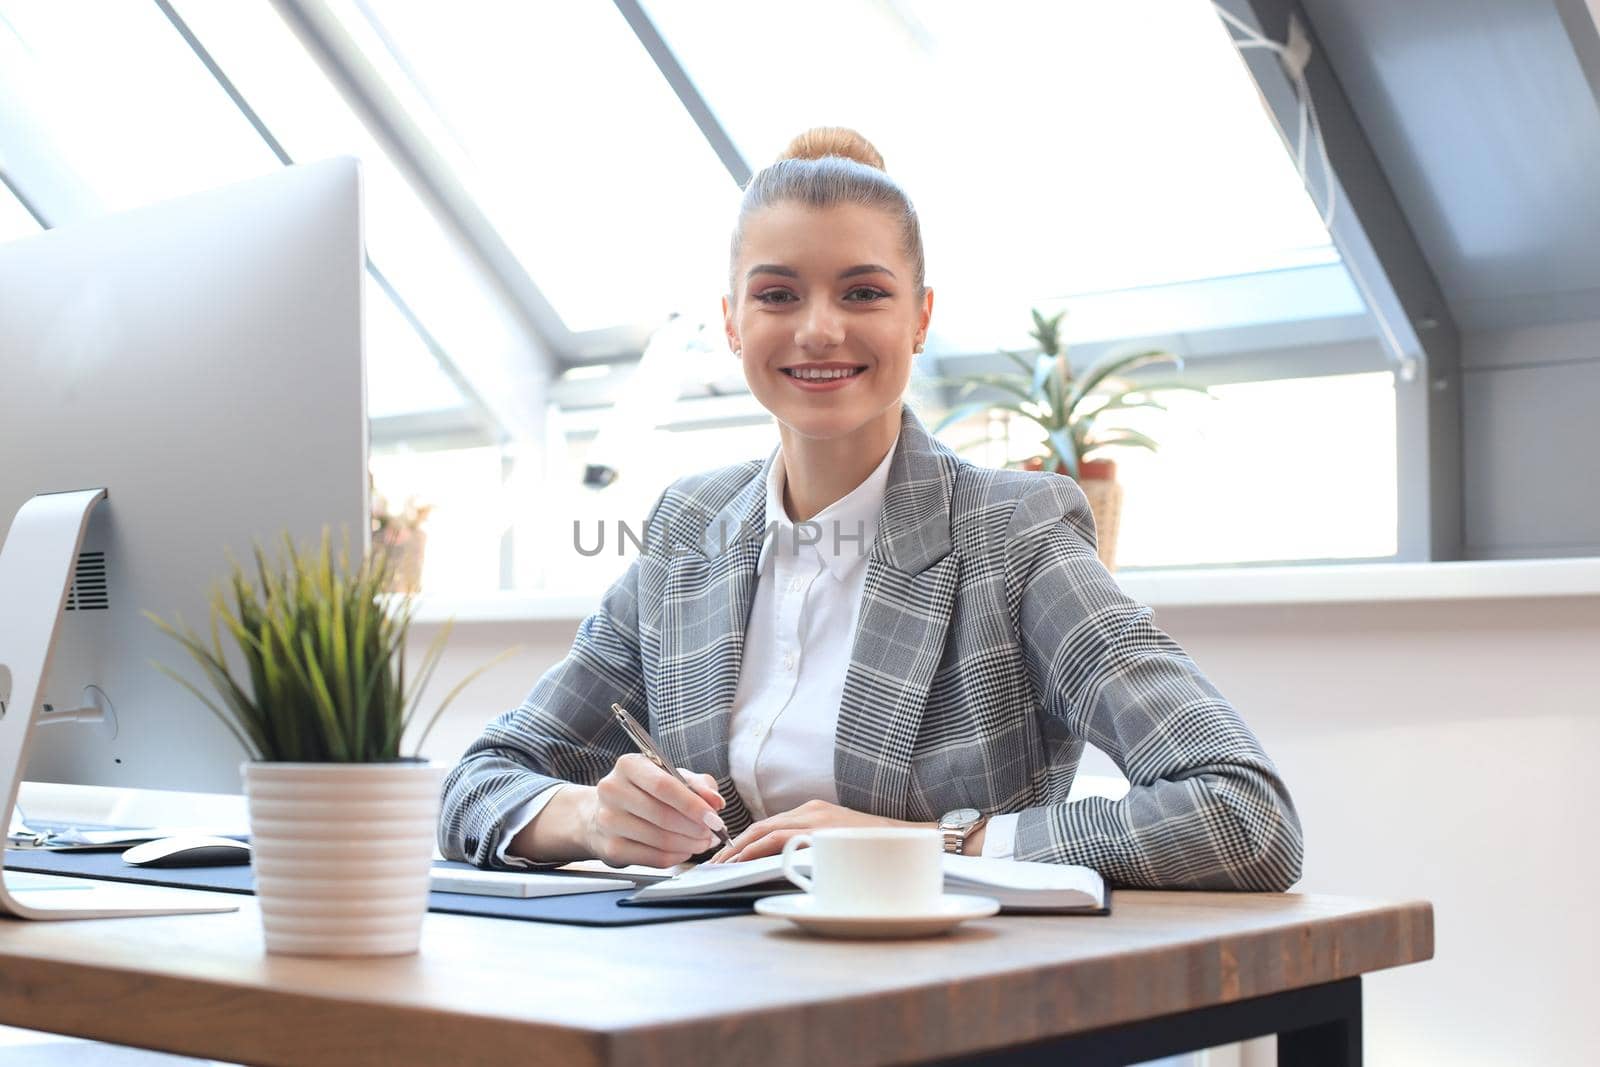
(801, 909)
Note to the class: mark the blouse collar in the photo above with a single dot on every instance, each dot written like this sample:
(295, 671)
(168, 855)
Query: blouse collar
(843, 532)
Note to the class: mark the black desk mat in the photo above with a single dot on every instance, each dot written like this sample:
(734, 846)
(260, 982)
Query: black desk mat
(579, 909)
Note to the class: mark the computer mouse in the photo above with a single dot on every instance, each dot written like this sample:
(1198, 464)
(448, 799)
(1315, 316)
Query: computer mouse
(188, 852)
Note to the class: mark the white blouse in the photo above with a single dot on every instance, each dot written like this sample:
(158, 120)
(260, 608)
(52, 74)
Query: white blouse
(802, 626)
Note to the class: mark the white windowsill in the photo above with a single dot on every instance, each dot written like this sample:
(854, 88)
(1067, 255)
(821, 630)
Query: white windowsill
(1354, 583)
(1199, 587)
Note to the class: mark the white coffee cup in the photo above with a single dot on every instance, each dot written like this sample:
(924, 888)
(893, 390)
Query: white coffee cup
(888, 870)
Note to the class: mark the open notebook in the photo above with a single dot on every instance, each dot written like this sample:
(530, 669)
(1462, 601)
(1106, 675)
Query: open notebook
(1019, 886)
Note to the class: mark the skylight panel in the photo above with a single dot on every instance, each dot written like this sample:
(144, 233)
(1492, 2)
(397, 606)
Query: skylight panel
(1051, 149)
(565, 131)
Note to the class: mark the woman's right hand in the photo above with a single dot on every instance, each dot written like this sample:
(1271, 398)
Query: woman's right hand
(639, 813)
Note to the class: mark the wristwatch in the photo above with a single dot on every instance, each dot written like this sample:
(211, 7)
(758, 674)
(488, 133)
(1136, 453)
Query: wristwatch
(956, 825)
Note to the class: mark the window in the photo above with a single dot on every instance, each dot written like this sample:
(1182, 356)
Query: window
(305, 114)
(548, 557)
(125, 114)
(447, 360)
(573, 143)
(465, 492)
(1051, 149)
(14, 218)
(411, 380)
(128, 115)
(1111, 160)
(1296, 468)
(1288, 469)
(1284, 469)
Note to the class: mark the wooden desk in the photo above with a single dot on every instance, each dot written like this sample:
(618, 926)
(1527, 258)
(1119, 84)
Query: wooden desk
(1166, 971)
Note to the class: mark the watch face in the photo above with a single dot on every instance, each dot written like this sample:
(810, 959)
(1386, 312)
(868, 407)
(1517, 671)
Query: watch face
(962, 817)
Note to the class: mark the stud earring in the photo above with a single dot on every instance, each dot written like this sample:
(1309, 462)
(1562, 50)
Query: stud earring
(918, 347)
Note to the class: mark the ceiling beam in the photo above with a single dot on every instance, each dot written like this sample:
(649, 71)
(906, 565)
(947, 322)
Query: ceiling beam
(1581, 20)
(688, 93)
(1388, 267)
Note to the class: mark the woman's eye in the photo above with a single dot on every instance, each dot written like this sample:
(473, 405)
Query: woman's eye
(774, 296)
(869, 294)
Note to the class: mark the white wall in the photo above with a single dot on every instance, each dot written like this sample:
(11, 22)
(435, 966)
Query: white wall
(1446, 752)
(1441, 751)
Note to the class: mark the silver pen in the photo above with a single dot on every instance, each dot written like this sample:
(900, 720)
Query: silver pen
(643, 741)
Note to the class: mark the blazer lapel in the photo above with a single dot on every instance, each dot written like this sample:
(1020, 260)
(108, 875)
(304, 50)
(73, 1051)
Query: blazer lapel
(705, 608)
(911, 581)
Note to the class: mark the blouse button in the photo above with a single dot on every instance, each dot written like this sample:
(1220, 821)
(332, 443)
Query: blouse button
(788, 662)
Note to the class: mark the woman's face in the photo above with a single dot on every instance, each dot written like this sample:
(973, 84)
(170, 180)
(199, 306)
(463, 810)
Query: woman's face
(825, 289)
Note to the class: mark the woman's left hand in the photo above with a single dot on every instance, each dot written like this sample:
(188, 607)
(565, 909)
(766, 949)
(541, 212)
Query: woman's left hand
(767, 837)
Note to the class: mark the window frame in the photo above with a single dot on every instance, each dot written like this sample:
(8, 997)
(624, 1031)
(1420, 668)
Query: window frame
(1392, 277)
(1388, 270)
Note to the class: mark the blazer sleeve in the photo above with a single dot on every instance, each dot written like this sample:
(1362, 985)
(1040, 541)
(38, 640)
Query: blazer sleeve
(1206, 808)
(563, 731)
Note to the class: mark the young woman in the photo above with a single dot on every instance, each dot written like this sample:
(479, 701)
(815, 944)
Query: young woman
(916, 640)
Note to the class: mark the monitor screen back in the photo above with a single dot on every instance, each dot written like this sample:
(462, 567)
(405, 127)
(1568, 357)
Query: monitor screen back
(201, 360)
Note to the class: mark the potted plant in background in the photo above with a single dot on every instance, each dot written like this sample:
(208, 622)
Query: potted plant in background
(342, 825)
(1069, 410)
(400, 535)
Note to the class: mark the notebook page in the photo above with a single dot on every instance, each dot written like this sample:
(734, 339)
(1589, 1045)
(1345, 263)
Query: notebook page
(979, 872)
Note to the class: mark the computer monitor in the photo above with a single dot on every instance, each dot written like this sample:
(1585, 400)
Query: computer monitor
(201, 360)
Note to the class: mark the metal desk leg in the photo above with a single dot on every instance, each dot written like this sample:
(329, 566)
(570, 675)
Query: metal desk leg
(1334, 1042)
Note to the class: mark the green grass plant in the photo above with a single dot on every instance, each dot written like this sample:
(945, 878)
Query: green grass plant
(322, 645)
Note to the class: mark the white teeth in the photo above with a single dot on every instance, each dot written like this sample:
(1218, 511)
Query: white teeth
(820, 375)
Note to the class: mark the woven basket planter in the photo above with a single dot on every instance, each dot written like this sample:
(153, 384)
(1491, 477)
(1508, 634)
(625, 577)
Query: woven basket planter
(1099, 483)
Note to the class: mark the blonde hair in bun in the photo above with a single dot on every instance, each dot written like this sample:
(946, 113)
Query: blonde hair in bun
(823, 167)
(821, 141)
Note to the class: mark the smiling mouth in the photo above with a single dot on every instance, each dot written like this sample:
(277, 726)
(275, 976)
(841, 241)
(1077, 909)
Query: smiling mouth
(824, 375)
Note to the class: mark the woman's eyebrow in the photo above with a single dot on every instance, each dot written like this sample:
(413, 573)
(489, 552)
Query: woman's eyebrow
(790, 272)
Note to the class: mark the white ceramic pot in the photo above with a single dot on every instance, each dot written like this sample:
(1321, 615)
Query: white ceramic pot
(342, 854)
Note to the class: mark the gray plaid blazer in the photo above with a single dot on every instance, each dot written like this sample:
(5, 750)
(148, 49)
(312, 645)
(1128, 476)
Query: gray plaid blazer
(991, 646)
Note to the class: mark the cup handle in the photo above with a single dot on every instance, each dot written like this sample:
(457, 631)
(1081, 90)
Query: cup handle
(789, 872)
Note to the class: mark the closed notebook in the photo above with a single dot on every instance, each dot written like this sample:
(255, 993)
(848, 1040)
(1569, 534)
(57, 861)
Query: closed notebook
(1020, 886)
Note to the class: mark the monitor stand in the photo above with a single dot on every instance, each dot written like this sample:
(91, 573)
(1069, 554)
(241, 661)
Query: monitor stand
(36, 565)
